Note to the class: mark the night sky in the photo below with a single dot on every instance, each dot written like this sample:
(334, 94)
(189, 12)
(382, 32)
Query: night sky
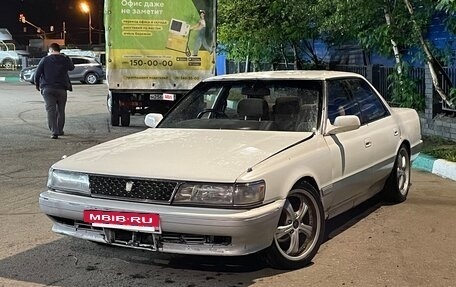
(46, 13)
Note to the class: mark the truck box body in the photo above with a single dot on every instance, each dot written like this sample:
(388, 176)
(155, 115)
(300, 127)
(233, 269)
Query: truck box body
(150, 45)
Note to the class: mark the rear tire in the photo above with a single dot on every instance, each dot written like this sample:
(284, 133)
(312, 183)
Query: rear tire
(398, 183)
(300, 230)
(91, 79)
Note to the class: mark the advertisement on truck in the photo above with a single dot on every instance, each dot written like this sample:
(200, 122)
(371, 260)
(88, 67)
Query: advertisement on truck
(159, 46)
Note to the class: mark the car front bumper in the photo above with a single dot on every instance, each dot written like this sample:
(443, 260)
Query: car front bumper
(248, 231)
(26, 77)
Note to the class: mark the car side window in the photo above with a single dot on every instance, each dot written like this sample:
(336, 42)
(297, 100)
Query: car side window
(370, 105)
(77, 61)
(340, 102)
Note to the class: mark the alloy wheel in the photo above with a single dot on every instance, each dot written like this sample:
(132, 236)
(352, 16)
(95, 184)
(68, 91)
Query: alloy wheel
(299, 227)
(403, 171)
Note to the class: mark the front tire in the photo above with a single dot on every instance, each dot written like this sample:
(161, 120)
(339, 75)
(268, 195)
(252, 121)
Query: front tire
(115, 118)
(300, 230)
(398, 183)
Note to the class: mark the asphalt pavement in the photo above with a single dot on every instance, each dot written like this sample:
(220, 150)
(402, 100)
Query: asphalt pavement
(375, 244)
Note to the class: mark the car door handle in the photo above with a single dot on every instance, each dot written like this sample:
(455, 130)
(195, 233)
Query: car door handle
(367, 143)
(396, 133)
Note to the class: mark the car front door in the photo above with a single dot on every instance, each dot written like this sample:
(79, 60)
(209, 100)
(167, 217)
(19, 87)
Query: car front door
(349, 150)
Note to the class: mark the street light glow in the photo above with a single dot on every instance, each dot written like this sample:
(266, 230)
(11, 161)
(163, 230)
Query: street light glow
(85, 8)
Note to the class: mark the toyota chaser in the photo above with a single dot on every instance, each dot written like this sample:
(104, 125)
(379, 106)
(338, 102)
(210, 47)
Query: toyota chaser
(244, 163)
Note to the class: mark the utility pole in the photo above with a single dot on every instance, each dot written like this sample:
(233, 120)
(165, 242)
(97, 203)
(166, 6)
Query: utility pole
(86, 9)
(64, 33)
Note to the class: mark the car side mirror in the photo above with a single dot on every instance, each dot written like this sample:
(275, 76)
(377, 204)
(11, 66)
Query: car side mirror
(152, 120)
(343, 124)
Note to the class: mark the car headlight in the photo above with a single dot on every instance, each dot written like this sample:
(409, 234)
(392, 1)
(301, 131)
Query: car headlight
(68, 181)
(221, 194)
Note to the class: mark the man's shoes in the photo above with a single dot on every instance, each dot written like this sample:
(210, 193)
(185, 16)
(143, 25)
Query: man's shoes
(54, 137)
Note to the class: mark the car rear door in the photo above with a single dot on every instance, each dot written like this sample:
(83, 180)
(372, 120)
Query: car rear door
(382, 133)
(79, 69)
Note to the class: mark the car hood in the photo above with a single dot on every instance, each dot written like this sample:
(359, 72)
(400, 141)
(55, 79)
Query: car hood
(28, 69)
(181, 154)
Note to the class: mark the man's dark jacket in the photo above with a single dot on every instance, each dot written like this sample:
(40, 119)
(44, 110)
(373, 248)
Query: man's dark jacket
(52, 72)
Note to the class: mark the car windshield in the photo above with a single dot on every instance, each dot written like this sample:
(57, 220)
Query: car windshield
(272, 105)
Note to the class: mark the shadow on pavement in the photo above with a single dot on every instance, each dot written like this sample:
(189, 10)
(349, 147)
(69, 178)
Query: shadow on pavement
(344, 221)
(73, 262)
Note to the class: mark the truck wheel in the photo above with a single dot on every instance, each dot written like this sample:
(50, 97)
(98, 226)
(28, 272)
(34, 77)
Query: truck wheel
(109, 103)
(114, 118)
(125, 117)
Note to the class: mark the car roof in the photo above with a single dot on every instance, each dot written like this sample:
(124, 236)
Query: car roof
(285, 75)
(81, 57)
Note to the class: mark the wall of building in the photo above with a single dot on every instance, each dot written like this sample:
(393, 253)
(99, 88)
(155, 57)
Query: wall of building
(434, 123)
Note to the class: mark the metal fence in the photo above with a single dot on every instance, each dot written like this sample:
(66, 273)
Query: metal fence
(379, 76)
(451, 72)
(382, 82)
(376, 74)
(362, 70)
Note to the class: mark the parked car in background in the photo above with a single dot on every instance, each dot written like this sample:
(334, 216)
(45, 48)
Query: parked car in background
(86, 70)
(244, 163)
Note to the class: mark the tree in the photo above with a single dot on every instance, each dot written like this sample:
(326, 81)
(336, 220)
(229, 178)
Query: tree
(434, 66)
(387, 27)
(267, 30)
(449, 6)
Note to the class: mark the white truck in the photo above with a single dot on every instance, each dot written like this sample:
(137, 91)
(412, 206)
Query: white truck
(155, 52)
(9, 57)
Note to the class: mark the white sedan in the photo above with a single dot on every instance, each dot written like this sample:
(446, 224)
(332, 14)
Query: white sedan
(244, 163)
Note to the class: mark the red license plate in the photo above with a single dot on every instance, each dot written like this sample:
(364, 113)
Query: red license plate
(133, 221)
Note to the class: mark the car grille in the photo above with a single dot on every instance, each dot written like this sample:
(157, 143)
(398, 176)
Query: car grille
(194, 239)
(132, 189)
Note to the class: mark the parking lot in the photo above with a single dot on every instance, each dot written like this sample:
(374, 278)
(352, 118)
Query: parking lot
(410, 244)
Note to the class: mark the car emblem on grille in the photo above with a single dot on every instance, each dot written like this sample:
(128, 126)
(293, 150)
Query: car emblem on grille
(129, 186)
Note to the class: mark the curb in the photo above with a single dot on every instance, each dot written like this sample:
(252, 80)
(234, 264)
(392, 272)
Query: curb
(443, 168)
(10, 79)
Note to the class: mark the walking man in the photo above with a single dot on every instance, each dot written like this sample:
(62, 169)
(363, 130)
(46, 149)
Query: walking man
(52, 80)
